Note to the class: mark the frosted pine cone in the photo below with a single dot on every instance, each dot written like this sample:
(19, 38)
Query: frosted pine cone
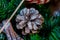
(29, 20)
(56, 13)
(9, 31)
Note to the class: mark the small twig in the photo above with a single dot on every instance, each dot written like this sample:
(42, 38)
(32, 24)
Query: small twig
(12, 16)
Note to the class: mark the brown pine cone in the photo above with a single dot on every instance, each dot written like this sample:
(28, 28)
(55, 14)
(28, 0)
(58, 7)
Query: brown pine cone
(9, 31)
(29, 20)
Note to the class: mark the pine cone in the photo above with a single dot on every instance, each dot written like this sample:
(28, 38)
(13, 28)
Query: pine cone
(56, 13)
(29, 20)
(10, 33)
